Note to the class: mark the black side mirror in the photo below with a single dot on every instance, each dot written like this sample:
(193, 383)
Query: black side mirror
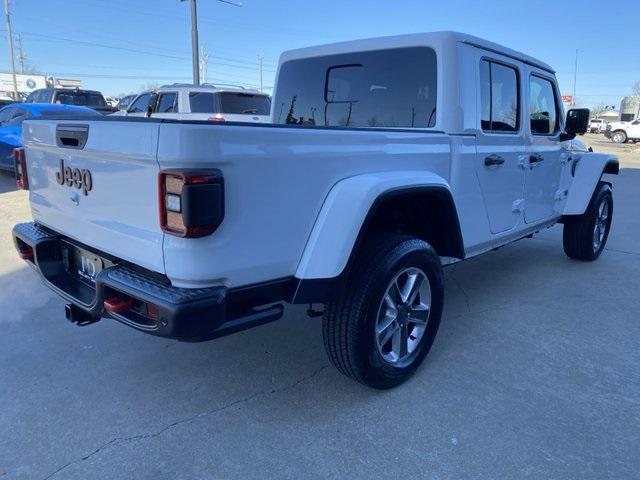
(577, 123)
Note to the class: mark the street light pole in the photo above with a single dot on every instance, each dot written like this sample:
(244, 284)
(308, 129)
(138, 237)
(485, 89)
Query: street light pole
(12, 61)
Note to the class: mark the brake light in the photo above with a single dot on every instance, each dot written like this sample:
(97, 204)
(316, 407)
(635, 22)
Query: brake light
(191, 203)
(20, 163)
(216, 118)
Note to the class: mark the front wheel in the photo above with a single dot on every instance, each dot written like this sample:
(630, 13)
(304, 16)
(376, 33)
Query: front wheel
(585, 236)
(383, 324)
(619, 136)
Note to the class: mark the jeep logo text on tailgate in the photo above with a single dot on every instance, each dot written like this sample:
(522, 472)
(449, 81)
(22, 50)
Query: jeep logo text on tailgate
(75, 177)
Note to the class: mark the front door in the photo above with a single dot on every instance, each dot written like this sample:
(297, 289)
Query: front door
(501, 145)
(544, 168)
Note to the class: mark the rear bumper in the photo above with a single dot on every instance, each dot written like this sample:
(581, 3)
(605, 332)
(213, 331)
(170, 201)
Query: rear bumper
(181, 313)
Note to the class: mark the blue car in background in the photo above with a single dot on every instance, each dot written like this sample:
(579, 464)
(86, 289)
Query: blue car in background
(12, 116)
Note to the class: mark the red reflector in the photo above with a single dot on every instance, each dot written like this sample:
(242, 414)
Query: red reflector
(152, 311)
(118, 304)
(20, 160)
(26, 253)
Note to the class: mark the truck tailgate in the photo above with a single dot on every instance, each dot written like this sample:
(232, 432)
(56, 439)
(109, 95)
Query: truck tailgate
(109, 201)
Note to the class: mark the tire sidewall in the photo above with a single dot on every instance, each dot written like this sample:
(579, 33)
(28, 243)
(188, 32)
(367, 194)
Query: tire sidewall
(411, 253)
(603, 195)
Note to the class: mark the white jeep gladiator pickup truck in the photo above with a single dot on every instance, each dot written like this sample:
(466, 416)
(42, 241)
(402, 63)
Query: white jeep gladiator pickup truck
(386, 159)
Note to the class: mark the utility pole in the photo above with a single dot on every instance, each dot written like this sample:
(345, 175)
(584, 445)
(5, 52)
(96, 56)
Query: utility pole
(260, 59)
(194, 42)
(575, 79)
(12, 61)
(194, 37)
(21, 56)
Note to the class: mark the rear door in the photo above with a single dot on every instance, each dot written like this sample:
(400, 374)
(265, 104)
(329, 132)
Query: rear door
(544, 166)
(96, 182)
(501, 140)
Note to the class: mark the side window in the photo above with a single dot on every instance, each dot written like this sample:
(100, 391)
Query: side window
(380, 88)
(203, 102)
(167, 103)
(44, 96)
(32, 97)
(543, 106)
(500, 98)
(141, 104)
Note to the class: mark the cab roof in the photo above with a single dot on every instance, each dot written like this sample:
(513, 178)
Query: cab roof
(433, 39)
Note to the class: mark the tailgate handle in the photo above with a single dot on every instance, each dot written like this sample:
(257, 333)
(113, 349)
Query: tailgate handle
(72, 136)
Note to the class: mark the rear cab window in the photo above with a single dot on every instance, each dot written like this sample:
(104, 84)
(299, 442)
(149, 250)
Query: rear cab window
(393, 88)
(80, 98)
(244, 103)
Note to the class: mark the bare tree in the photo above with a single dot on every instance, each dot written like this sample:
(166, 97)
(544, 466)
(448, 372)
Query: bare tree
(598, 109)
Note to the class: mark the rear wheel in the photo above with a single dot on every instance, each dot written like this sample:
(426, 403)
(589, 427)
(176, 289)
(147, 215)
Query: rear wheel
(619, 136)
(585, 236)
(382, 326)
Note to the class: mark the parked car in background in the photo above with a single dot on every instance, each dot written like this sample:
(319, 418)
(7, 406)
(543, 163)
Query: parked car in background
(204, 102)
(597, 125)
(112, 101)
(622, 132)
(71, 96)
(125, 102)
(12, 116)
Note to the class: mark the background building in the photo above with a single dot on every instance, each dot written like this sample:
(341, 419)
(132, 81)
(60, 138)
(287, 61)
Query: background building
(29, 83)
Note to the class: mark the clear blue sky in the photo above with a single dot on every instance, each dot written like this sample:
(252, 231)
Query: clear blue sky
(122, 45)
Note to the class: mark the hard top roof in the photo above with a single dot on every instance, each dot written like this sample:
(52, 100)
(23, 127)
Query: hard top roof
(413, 39)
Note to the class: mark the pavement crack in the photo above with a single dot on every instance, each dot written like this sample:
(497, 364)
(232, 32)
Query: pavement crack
(114, 442)
(622, 251)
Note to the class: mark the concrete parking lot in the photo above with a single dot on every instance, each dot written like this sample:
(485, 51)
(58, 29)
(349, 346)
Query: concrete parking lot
(534, 374)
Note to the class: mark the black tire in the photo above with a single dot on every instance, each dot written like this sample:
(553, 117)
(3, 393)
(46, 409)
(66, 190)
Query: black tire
(349, 322)
(579, 230)
(619, 136)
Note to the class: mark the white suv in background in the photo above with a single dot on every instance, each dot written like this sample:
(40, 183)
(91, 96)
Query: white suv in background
(204, 102)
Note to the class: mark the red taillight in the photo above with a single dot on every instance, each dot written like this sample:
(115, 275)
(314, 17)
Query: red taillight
(216, 118)
(20, 161)
(119, 304)
(191, 203)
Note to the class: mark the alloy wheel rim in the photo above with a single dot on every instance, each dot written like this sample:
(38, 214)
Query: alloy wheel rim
(600, 227)
(403, 315)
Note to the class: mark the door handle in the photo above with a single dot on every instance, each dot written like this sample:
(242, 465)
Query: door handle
(535, 158)
(493, 159)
